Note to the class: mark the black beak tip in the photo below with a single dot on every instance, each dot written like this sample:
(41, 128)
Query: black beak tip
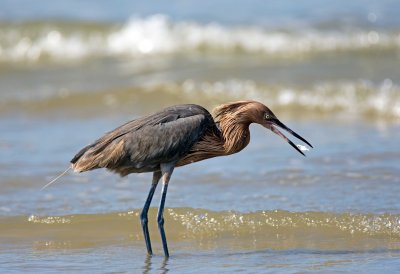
(296, 147)
(302, 153)
(280, 124)
(305, 141)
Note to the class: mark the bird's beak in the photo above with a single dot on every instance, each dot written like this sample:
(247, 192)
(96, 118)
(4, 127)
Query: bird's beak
(272, 126)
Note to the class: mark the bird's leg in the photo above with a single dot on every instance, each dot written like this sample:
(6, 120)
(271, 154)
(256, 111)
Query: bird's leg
(143, 214)
(166, 170)
(160, 219)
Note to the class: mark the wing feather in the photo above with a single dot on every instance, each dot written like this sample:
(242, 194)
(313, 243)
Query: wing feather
(142, 144)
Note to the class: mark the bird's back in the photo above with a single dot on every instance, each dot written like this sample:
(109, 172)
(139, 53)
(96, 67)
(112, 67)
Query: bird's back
(141, 145)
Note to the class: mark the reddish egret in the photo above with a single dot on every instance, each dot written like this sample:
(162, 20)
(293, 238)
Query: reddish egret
(176, 136)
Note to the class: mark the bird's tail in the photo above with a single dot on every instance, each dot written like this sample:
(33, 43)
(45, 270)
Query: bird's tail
(55, 179)
(98, 155)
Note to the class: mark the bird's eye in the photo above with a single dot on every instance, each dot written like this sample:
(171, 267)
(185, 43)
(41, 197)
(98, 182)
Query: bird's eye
(267, 116)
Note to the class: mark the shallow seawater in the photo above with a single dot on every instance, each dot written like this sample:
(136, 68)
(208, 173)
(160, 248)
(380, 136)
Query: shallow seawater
(330, 74)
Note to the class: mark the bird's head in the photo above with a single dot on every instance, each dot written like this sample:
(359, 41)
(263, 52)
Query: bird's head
(248, 112)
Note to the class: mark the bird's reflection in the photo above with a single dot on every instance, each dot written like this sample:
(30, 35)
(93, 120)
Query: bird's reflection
(148, 265)
(164, 265)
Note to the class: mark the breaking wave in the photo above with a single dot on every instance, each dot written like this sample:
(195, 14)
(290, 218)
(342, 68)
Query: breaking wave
(277, 229)
(38, 41)
(359, 99)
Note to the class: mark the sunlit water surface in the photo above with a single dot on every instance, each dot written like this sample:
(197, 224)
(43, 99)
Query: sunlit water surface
(330, 74)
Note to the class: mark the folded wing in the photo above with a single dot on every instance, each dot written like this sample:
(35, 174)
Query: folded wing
(142, 144)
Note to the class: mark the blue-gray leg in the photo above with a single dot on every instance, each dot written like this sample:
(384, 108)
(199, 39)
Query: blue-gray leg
(166, 170)
(143, 214)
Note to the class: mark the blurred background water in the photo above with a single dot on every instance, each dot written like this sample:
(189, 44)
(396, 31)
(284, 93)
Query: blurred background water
(72, 70)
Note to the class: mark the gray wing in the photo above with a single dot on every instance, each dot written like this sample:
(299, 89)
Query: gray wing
(141, 145)
(162, 143)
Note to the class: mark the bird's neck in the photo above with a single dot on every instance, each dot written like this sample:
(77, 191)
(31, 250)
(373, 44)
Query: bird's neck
(225, 140)
(229, 135)
(235, 135)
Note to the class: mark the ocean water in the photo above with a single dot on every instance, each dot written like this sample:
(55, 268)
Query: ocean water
(71, 71)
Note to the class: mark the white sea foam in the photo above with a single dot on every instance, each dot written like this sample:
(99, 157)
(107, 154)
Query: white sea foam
(159, 35)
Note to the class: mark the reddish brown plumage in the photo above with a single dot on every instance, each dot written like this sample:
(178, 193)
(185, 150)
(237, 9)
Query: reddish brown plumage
(233, 121)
